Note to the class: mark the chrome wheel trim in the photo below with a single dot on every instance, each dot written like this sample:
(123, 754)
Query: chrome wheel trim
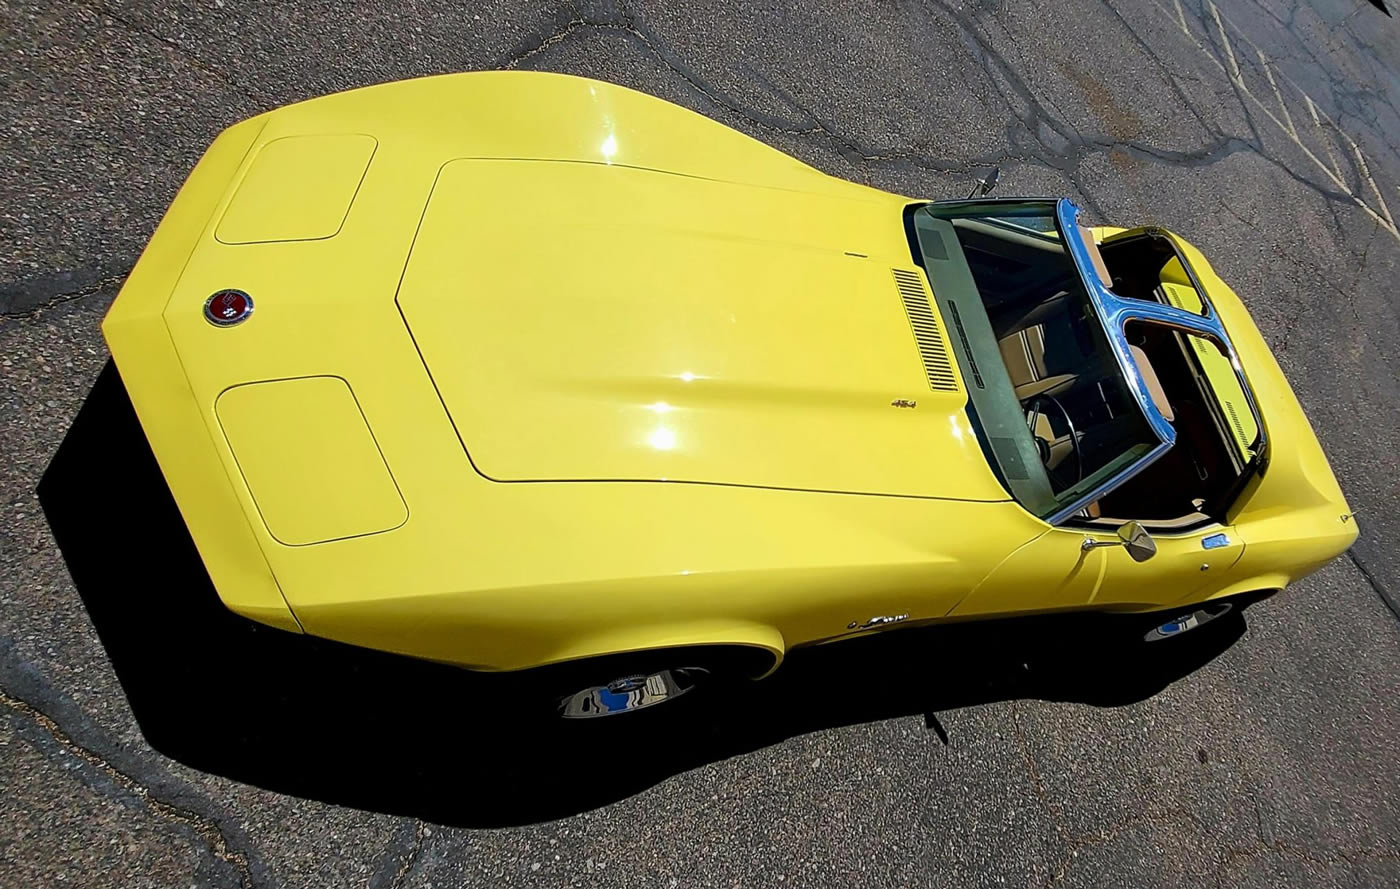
(1189, 621)
(631, 692)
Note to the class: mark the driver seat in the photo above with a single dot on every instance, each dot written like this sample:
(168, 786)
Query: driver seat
(1032, 367)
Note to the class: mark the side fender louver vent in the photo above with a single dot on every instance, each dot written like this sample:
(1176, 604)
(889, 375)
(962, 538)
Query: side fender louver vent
(926, 333)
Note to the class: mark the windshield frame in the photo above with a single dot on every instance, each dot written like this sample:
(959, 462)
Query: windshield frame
(1114, 312)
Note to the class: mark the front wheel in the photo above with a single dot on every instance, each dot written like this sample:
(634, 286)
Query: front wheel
(644, 680)
(1191, 620)
(633, 692)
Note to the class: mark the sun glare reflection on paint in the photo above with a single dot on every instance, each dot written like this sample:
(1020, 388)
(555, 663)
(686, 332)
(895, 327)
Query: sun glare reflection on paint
(663, 439)
(660, 407)
(609, 147)
(957, 430)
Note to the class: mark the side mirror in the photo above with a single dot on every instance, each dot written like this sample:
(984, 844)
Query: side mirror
(986, 183)
(1133, 537)
(1137, 541)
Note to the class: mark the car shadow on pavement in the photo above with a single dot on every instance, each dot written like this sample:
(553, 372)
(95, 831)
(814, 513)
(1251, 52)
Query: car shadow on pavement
(317, 719)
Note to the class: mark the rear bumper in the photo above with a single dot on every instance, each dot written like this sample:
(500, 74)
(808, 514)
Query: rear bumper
(170, 415)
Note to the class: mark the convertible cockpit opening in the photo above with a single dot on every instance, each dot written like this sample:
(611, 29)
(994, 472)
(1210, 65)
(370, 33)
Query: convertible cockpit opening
(1064, 376)
(1058, 416)
(1215, 426)
(1087, 418)
(1190, 480)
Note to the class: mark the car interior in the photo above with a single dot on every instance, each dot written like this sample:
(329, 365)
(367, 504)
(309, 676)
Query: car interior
(1066, 378)
(1201, 470)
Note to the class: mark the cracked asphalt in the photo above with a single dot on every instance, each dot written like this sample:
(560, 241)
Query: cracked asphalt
(1263, 130)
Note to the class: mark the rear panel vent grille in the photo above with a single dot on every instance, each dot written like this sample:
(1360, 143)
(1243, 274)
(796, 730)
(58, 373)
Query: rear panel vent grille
(926, 333)
(1234, 418)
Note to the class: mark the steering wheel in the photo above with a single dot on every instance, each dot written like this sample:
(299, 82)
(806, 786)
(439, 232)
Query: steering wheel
(1033, 415)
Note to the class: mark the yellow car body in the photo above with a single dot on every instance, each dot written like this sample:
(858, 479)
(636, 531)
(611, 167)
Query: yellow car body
(542, 368)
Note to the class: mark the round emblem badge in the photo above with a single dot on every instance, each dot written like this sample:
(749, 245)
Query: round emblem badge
(228, 307)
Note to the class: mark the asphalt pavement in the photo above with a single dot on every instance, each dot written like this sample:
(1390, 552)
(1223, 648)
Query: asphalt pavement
(185, 749)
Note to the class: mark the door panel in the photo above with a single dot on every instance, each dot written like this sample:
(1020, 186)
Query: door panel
(1050, 572)
(1053, 571)
(1185, 564)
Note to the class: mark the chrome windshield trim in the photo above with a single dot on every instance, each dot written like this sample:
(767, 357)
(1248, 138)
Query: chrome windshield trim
(1114, 312)
(1094, 494)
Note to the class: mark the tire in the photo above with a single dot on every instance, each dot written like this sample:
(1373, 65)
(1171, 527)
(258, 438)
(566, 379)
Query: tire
(644, 681)
(1182, 623)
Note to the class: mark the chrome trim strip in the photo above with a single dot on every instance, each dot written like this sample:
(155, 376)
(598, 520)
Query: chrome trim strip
(1095, 493)
(1112, 311)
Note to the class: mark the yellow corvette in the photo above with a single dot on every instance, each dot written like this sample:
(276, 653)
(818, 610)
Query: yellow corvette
(513, 369)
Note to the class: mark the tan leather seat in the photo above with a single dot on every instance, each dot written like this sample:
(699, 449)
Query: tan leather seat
(1024, 355)
(1024, 347)
(1154, 385)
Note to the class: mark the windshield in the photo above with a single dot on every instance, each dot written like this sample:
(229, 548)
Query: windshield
(1059, 416)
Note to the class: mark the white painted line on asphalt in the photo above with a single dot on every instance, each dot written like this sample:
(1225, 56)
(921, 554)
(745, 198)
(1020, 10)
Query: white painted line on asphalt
(1229, 50)
(1282, 105)
(1365, 169)
(1181, 18)
(1336, 169)
(1332, 170)
(1312, 109)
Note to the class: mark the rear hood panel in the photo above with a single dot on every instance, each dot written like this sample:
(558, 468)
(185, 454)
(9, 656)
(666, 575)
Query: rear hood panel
(592, 322)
